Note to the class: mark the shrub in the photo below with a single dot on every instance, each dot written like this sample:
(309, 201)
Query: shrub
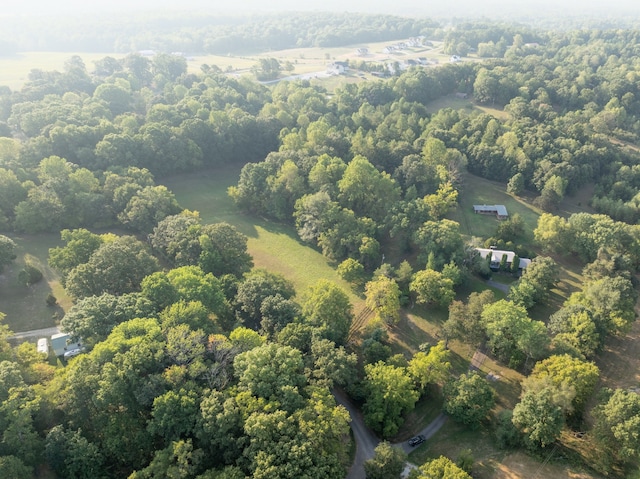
(29, 275)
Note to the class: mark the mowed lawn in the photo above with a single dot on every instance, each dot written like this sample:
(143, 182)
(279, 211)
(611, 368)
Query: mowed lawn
(24, 306)
(273, 246)
(480, 191)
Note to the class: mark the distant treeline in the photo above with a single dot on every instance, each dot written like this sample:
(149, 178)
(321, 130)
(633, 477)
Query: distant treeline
(205, 33)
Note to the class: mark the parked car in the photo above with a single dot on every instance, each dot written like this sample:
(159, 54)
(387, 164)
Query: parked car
(419, 439)
(72, 353)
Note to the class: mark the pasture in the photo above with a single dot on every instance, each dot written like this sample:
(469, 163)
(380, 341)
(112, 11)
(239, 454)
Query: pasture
(273, 246)
(25, 306)
(477, 190)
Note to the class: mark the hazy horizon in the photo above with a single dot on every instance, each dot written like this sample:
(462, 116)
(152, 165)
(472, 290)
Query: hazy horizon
(459, 8)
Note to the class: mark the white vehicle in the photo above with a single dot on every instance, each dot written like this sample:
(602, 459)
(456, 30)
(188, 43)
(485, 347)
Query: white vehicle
(72, 353)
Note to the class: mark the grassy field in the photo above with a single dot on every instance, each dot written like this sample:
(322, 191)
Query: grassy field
(25, 306)
(479, 190)
(14, 70)
(466, 104)
(492, 463)
(274, 247)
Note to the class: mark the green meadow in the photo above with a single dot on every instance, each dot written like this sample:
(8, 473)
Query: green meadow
(275, 247)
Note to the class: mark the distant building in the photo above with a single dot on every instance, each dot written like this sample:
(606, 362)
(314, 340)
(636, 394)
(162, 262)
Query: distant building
(362, 51)
(337, 68)
(496, 258)
(499, 210)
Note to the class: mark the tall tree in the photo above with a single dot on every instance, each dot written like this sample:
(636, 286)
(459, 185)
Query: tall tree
(116, 267)
(7, 251)
(430, 368)
(390, 394)
(441, 468)
(539, 417)
(387, 463)
(328, 308)
(431, 286)
(469, 399)
(383, 297)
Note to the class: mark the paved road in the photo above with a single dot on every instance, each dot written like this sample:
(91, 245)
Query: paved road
(428, 432)
(36, 333)
(366, 441)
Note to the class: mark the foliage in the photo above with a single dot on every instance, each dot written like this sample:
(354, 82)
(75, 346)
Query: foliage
(257, 286)
(92, 318)
(539, 418)
(390, 394)
(29, 275)
(469, 399)
(511, 332)
(352, 271)
(563, 370)
(440, 468)
(536, 281)
(383, 297)
(430, 368)
(327, 308)
(7, 251)
(465, 320)
(387, 463)
(432, 286)
(116, 267)
(617, 423)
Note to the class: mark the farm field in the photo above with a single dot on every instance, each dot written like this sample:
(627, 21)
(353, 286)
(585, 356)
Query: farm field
(14, 70)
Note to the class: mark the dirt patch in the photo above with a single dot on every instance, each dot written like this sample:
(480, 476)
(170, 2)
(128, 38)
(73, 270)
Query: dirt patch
(520, 466)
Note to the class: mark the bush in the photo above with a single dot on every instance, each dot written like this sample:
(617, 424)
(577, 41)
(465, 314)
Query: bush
(29, 275)
(507, 435)
(51, 300)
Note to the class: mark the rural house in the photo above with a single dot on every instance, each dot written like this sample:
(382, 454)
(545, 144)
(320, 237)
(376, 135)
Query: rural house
(499, 210)
(496, 258)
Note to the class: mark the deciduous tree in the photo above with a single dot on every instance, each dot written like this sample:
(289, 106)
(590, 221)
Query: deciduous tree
(390, 394)
(469, 399)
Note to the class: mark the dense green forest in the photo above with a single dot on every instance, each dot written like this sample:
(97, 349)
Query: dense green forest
(198, 365)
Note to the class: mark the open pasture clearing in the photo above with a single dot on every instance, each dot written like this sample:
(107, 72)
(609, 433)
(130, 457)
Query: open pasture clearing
(466, 104)
(490, 462)
(478, 191)
(14, 70)
(273, 246)
(25, 306)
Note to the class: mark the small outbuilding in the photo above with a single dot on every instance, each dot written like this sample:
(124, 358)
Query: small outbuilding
(500, 211)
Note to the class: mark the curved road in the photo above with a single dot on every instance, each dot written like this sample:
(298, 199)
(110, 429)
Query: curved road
(366, 441)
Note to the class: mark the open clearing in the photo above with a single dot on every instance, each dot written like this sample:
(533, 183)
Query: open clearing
(25, 306)
(14, 70)
(273, 246)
